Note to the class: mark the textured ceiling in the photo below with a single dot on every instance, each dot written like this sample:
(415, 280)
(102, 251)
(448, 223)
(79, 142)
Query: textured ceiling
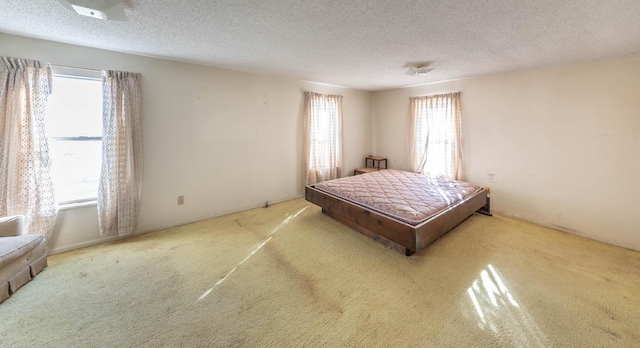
(365, 44)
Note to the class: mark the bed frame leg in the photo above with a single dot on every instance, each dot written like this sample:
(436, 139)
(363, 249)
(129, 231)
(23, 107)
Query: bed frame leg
(408, 252)
(486, 209)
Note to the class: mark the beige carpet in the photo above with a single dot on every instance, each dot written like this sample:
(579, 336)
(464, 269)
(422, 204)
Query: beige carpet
(291, 276)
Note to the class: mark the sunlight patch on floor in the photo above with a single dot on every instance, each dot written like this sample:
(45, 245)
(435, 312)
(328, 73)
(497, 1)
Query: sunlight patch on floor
(287, 220)
(284, 222)
(495, 309)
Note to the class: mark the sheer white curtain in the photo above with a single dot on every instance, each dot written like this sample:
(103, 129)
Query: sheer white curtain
(322, 137)
(434, 135)
(25, 180)
(121, 177)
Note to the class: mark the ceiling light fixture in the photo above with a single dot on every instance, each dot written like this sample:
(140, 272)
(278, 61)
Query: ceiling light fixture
(112, 10)
(419, 71)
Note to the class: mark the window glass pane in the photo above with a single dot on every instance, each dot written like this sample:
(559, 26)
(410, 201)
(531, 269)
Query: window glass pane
(75, 168)
(75, 108)
(74, 112)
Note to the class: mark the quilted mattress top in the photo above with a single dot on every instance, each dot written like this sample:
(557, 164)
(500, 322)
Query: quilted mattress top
(405, 196)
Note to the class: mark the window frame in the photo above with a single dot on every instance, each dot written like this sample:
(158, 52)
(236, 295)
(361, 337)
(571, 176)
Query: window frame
(323, 142)
(435, 132)
(77, 74)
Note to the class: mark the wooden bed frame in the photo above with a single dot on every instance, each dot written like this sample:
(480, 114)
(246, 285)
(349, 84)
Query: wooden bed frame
(403, 237)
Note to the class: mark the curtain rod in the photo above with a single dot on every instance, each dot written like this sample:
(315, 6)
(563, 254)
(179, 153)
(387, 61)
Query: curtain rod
(73, 67)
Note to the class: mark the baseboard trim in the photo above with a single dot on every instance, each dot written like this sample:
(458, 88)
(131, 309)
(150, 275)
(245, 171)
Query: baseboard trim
(86, 244)
(570, 231)
(157, 228)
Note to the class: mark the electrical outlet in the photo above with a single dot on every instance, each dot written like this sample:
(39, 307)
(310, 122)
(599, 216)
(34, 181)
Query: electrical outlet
(180, 200)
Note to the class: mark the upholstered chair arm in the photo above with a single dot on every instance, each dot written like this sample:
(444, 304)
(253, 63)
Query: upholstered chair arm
(11, 226)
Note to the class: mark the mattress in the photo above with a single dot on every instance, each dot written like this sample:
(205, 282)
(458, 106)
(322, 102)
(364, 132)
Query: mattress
(408, 197)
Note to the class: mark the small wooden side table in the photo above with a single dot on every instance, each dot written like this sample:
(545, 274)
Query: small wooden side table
(375, 165)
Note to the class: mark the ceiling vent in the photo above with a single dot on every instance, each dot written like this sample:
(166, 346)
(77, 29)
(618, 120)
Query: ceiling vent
(112, 10)
(419, 71)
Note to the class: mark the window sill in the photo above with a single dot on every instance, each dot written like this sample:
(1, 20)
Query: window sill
(66, 206)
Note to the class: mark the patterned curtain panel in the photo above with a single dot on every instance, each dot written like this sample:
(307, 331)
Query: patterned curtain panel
(121, 177)
(25, 180)
(322, 137)
(434, 135)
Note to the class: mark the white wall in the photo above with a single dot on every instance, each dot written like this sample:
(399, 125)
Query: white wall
(563, 143)
(226, 140)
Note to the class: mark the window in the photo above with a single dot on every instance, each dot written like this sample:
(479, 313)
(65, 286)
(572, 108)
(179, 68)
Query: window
(435, 135)
(74, 128)
(323, 137)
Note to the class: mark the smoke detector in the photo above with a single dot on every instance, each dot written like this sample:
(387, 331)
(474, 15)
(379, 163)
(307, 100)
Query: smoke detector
(112, 10)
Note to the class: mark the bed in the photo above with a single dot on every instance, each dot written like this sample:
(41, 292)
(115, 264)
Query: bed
(403, 210)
